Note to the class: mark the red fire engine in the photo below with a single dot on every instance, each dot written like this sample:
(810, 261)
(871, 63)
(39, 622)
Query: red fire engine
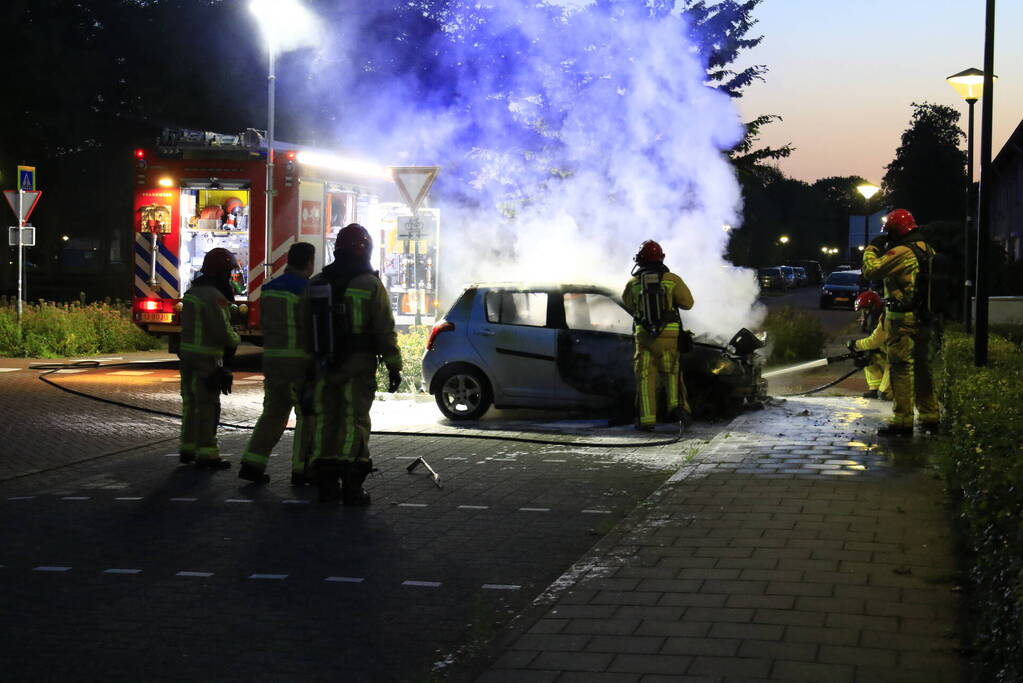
(198, 190)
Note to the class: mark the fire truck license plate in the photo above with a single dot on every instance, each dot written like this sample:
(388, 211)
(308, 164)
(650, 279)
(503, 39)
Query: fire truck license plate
(156, 317)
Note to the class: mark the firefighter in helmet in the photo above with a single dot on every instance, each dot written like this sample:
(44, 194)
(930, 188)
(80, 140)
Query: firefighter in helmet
(208, 343)
(287, 366)
(876, 371)
(894, 256)
(352, 327)
(653, 297)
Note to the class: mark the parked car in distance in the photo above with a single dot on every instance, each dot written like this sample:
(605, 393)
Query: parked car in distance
(521, 345)
(772, 278)
(841, 289)
(814, 272)
(801, 278)
(790, 275)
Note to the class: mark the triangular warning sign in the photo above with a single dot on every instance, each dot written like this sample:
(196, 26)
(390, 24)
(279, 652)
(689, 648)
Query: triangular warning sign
(414, 183)
(28, 202)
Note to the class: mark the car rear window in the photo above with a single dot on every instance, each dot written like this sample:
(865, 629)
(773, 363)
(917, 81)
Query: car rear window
(843, 279)
(596, 312)
(517, 308)
(770, 271)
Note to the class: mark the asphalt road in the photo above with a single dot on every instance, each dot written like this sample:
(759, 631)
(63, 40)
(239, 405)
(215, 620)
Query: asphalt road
(129, 566)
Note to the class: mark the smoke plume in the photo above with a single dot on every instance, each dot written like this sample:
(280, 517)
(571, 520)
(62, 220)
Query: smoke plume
(569, 131)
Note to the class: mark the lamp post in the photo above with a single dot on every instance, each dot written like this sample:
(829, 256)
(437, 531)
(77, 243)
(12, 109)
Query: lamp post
(867, 190)
(970, 86)
(984, 209)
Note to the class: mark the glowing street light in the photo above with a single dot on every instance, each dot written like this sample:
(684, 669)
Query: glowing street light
(867, 190)
(970, 86)
(285, 25)
(784, 239)
(65, 238)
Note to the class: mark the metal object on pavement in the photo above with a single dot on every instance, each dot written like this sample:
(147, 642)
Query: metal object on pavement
(420, 461)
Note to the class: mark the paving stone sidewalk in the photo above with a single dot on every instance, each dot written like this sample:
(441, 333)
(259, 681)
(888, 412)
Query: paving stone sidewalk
(794, 548)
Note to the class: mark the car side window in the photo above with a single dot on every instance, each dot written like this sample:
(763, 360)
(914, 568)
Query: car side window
(517, 308)
(596, 312)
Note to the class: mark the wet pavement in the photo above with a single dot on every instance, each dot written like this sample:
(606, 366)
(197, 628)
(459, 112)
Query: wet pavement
(795, 547)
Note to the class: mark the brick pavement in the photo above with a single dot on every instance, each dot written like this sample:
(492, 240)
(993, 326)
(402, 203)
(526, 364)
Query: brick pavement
(793, 548)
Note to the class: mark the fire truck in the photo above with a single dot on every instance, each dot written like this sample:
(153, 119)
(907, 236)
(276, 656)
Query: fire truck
(197, 190)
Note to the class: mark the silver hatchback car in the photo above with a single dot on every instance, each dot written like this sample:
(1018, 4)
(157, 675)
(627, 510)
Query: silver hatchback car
(565, 346)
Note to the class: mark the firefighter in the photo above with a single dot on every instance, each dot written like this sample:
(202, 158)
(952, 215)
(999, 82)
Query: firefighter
(653, 297)
(352, 326)
(890, 258)
(208, 343)
(876, 371)
(287, 366)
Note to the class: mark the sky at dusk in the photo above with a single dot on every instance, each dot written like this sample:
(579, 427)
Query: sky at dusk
(843, 76)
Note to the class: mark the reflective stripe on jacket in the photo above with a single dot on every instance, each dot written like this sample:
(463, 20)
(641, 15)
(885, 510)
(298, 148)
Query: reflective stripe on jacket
(206, 324)
(898, 267)
(281, 317)
(676, 295)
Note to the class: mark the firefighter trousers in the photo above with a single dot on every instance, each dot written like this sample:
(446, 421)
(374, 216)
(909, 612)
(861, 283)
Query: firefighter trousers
(657, 361)
(283, 384)
(200, 410)
(908, 350)
(343, 399)
(877, 374)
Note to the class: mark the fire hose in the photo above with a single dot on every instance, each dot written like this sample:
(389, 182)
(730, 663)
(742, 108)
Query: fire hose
(858, 357)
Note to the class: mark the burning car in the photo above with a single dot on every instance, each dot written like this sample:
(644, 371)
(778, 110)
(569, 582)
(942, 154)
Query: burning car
(569, 347)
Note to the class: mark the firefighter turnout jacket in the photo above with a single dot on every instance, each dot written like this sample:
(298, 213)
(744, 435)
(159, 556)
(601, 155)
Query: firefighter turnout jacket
(346, 379)
(877, 373)
(206, 334)
(907, 337)
(287, 366)
(657, 357)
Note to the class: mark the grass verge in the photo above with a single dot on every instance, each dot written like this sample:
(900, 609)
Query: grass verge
(794, 335)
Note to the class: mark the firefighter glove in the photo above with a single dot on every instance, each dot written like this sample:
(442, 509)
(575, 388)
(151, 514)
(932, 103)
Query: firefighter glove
(393, 379)
(851, 345)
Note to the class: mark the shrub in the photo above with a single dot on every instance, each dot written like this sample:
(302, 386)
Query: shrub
(794, 335)
(51, 330)
(983, 464)
(412, 344)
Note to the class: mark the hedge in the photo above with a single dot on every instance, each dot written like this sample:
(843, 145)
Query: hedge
(52, 330)
(412, 345)
(794, 335)
(983, 465)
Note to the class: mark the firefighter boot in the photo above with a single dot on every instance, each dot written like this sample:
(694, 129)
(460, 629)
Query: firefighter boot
(353, 474)
(254, 474)
(327, 473)
(892, 429)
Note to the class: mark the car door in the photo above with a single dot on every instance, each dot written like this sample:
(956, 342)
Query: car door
(594, 350)
(517, 345)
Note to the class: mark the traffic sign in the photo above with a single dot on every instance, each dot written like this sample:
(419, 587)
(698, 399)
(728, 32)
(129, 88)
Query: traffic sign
(28, 236)
(28, 202)
(422, 227)
(27, 178)
(414, 183)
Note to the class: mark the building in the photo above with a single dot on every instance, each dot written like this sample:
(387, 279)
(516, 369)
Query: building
(1007, 196)
(855, 240)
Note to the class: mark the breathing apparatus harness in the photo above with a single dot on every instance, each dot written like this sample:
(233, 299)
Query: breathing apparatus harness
(332, 336)
(653, 313)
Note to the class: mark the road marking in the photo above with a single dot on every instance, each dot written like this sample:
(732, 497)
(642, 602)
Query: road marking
(344, 579)
(47, 568)
(122, 571)
(9, 369)
(555, 461)
(21, 498)
(75, 498)
(534, 509)
(132, 373)
(238, 500)
(473, 507)
(501, 587)
(406, 457)
(201, 575)
(411, 505)
(183, 500)
(295, 501)
(422, 584)
(596, 512)
(502, 459)
(455, 458)
(128, 498)
(269, 577)
(171, 455)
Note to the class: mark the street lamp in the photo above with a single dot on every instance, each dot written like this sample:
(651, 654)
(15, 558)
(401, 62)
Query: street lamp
(285, 25)
(867, 190)
(970, 86)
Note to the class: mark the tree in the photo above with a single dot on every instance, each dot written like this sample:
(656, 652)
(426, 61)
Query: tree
(928, 174)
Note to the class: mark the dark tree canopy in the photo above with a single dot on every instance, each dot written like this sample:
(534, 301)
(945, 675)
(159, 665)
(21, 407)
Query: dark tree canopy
(928, 175)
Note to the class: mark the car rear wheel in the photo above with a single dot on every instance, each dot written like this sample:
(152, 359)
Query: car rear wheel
(463, 394)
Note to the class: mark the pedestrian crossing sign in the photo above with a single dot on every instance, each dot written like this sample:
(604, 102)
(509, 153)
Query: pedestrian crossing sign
(27, 178)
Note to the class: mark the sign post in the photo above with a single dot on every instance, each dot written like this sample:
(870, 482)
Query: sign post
(23, 209)
(414, 183)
